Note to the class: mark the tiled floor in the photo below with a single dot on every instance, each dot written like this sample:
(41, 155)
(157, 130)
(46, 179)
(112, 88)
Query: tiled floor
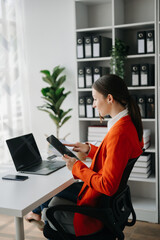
(140, 231)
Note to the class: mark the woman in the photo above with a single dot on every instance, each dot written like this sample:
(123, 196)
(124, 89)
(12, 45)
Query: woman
(122, 142)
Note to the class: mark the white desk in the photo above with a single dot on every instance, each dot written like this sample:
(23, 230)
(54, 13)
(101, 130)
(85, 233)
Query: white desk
(20, 197)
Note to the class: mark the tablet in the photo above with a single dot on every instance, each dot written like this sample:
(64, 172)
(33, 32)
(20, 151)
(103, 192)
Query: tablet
(60, 147)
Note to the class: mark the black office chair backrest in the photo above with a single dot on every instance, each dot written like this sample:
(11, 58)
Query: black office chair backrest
(126, 174)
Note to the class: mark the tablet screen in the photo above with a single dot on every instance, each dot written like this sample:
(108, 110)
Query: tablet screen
(60, 147)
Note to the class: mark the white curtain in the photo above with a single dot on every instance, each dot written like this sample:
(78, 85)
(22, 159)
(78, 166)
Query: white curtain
(12, 72)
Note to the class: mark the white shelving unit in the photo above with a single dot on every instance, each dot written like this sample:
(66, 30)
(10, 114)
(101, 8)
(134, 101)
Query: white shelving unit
(123, 19)
(158, 87)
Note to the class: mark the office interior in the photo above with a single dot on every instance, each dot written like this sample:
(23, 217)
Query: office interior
(47, 36)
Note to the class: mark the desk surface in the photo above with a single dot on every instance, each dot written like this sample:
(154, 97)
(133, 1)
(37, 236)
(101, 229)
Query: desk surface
(20, 197)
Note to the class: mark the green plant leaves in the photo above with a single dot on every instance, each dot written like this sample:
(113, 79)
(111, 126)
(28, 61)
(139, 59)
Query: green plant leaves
(118, 56)
(54, 96)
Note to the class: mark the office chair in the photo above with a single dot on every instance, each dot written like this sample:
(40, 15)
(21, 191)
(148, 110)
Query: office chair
(114, 214)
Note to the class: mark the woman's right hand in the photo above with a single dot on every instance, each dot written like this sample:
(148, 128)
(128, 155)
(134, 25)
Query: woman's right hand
(79, 147)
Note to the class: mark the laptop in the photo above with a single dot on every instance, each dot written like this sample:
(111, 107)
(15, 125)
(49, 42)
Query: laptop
(26, 156)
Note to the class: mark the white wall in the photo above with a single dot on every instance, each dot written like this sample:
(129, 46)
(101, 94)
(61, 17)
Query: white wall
(50, 41)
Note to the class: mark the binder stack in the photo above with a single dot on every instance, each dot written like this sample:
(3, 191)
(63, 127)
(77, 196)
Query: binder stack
(93, 46)
(142, 168)
(145, 42)
(97, 133)
(142, 74)
(101, 46)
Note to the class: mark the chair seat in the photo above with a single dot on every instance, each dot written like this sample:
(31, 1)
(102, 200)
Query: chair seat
(54, 235)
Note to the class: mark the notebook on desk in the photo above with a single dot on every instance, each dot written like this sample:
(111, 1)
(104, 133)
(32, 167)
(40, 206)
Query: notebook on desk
(26, 156)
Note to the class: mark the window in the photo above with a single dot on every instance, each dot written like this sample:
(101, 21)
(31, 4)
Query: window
(11, 101)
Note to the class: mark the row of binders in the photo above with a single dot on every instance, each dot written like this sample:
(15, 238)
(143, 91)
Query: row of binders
(146, 105)
(93, 46)
(146, 42)
(143, 167)
(142, 74)
(85, 108)
(88, 75)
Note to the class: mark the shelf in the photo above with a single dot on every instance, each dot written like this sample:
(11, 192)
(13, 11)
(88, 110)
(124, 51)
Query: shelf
(151, 149)
(141, 56)
(94, 59)
(129, 88)
(109, 58)
(136, 25)
(144, 203)
(151, 179)
(145, 209)
(96, 29)
(93, 119)
(107, 119)
(148, 119)
(142, 88)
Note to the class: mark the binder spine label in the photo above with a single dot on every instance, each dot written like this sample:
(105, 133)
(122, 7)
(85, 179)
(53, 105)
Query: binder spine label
(135, 79)
(81, 82)
(96, 76)
(88, 81)
(82, 110)
(141, 46)
(88, 51)
(144, 79)
(150, 46)
(96, 50)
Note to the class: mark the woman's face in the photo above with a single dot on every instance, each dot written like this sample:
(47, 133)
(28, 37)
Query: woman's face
(101, 103)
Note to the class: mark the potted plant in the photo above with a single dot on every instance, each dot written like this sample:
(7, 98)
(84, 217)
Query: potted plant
(118, 56)
(54, 96)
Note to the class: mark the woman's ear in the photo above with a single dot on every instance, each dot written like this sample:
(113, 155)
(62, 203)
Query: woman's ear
(110, 98)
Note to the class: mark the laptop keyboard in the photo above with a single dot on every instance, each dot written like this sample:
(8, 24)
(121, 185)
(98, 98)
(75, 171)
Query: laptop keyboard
(45, 165)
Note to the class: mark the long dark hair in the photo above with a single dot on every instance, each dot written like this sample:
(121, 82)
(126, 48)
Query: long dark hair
(114, 85)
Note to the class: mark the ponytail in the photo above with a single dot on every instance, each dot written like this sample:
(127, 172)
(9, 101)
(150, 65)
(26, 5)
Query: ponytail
(134, 112)
(117, 87)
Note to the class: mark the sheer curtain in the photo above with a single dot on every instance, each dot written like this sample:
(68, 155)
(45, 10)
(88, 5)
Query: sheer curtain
(12, 71)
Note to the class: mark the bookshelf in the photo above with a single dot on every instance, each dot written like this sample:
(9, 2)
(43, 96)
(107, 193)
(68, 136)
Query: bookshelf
(123, 19)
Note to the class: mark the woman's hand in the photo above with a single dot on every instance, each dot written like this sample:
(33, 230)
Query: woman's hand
(70, 161)
(79, 147)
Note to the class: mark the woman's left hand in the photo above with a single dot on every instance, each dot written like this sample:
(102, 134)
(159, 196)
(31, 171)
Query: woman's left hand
(70, 161)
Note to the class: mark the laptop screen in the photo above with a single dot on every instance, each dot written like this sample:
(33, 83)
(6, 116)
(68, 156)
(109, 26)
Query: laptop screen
(24, 151)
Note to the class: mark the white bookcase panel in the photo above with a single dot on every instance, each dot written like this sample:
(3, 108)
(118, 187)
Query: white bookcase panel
(123, 19)
(134, 11)
(93, 14)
